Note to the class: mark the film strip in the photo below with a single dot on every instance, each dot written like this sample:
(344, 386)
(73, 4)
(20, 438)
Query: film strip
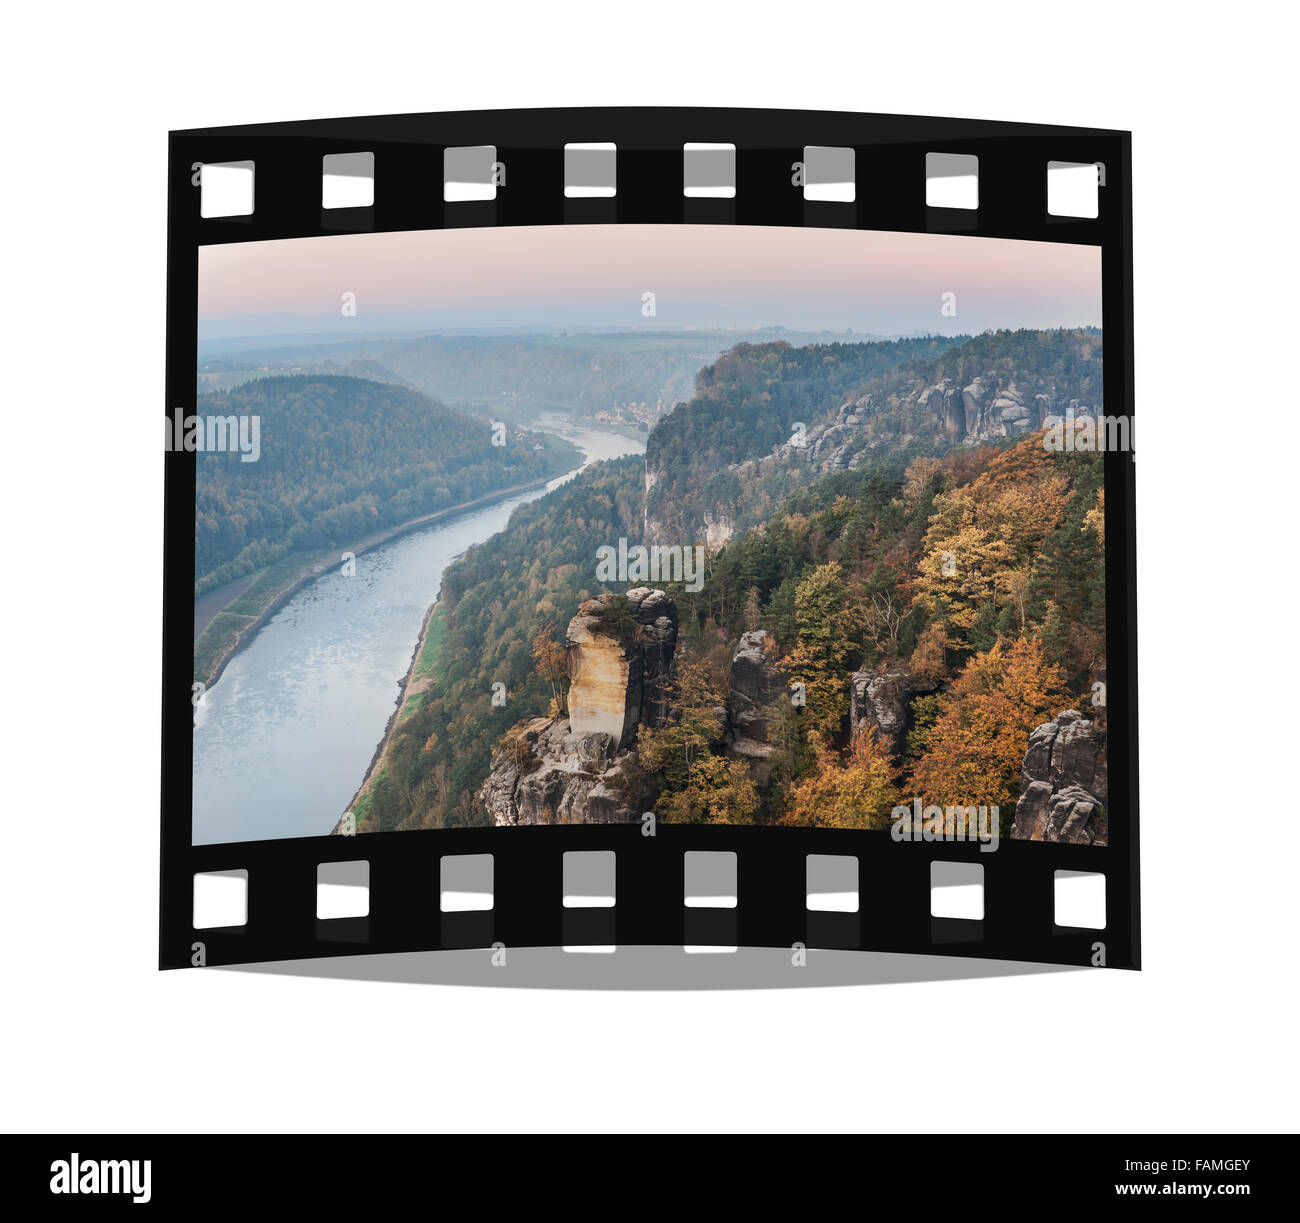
(754, 883)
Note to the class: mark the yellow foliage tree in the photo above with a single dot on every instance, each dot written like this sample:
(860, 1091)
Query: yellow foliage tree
(930, 658)
(975, 749)
(718, 791)
(552, 664)
(821, 647)
(959, 572)
(982, 538)
(1096, 518)
(672, 750)
(860, 793)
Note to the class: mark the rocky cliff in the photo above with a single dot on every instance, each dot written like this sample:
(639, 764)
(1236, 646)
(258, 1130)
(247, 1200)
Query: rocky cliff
(581, 769)
(947, 412)
(620, 649)
(756, 686)
(1063, 783)
(882, 700)
(984, 408)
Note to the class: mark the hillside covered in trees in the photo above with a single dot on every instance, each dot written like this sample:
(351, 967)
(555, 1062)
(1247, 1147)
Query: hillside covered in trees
(978, 578)
(342, 458)
(766, 419)
(966, 571)
(748, 402)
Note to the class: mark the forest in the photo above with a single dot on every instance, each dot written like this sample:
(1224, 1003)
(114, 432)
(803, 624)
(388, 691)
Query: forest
(343, 458)
(714, 455)
(975, 569)
(980, 573)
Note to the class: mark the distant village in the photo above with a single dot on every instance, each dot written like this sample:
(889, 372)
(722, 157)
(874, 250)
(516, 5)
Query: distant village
(633, 415)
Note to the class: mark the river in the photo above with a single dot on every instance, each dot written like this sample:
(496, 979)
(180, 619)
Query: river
(283, 739)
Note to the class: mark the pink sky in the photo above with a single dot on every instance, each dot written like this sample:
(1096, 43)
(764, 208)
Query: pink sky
(701, 275)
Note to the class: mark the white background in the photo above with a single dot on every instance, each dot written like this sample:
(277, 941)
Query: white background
(93, 1036)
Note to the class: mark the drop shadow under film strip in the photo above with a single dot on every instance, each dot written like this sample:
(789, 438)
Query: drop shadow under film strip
(409, 164)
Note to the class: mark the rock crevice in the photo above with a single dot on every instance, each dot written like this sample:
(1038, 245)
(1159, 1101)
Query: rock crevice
(1063, 783)
(882, 700)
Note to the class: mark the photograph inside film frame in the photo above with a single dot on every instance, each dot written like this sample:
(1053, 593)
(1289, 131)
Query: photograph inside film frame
(595, 524)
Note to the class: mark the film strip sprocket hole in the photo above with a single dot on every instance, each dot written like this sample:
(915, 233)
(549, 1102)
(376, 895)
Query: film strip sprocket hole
(734, 497)
(590, 171)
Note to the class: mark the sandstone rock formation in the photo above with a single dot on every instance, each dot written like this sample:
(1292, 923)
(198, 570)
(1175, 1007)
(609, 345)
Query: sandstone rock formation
(718, 528)
(544, 773)
(1063, 783)
(581, 769)
(620, 649)
(756, 685)
(946, 411)
(943, 404)
(883, 700)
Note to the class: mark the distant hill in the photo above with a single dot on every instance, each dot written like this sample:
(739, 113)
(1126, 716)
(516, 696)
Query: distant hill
(631, 378)
(767, 419)
(342, 458)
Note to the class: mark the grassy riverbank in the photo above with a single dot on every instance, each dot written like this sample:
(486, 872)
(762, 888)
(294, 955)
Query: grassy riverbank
(415, 688)
(253, 603)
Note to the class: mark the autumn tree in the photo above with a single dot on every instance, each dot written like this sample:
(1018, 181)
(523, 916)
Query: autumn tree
(882, 616)
(821, 648)
(672, 750)
(930, 658)
(860, 793)
(920, 472)
(974, 751)
(984, 540)
(1095, 518)
(1014, 583)
(552, 664)
(717, 790)
(959, 571)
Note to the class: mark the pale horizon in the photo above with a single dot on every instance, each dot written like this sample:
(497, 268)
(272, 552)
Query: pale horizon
(595, 276)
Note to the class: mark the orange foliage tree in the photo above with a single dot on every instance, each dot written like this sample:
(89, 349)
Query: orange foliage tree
(859, 794)
(975, 748)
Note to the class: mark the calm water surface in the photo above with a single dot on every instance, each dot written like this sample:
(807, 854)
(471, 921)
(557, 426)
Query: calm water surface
(283, 739)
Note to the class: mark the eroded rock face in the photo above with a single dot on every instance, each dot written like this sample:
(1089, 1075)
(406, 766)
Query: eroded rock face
(618, 663)
(883, 700)
(544, 773)
(581, 769)
(601, 681)
(985, 408)
(756, 685)
(718, 528)
(1063, 783)
(943, 404)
